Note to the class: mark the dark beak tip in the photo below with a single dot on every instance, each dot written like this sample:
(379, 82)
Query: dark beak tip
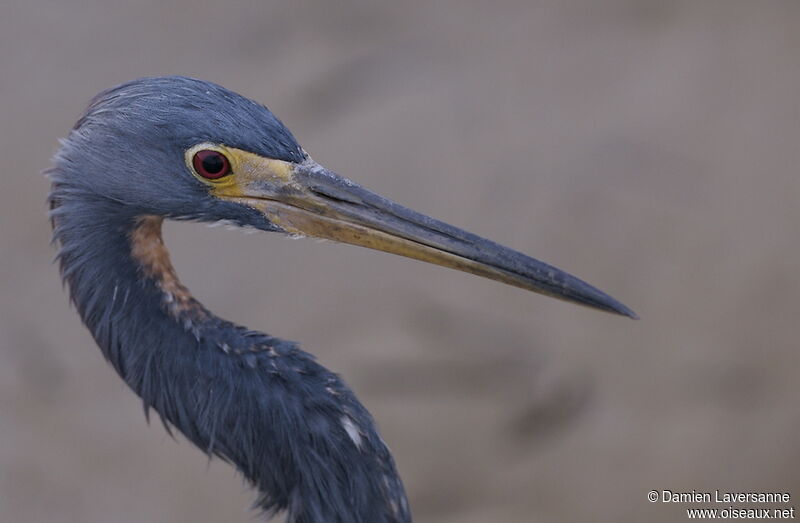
(578, 291)
(629, 313)
(613, 306)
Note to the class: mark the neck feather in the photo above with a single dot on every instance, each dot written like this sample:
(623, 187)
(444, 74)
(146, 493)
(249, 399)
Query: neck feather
(148, 249)
(291, 427)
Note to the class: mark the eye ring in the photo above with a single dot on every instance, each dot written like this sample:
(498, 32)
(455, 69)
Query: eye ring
(211, 164)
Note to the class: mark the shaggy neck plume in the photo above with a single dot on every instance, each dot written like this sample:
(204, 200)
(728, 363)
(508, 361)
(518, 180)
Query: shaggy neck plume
(291, 427)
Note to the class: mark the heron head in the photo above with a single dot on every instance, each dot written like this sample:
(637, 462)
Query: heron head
(188, 149)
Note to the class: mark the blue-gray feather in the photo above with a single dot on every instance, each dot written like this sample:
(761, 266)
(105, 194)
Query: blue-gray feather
(254, 400)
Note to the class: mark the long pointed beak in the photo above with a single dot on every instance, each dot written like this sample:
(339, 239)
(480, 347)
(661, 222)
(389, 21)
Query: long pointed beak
(319, 203)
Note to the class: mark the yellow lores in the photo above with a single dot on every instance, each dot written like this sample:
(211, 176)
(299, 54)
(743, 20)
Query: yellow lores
(246, 168)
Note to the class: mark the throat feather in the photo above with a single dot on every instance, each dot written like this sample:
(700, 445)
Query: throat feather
(148, 249)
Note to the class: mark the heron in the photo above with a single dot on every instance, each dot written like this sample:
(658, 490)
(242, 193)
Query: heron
(179, 148)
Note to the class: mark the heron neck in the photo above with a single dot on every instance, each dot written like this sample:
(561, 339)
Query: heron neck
(119, 277)
(289, 425)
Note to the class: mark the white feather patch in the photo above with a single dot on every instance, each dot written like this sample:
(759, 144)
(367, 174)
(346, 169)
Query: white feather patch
(352, 431)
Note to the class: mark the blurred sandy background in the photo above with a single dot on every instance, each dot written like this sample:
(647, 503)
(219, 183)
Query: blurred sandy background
(651, 148)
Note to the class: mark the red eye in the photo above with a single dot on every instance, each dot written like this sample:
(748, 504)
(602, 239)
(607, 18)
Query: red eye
(211, 164)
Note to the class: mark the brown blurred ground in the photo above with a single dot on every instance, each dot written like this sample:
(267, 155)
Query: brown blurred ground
(649, 147)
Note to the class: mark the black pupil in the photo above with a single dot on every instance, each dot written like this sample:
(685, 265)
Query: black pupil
(213, 163)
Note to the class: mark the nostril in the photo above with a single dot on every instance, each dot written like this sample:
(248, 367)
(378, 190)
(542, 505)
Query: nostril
(332, 193)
